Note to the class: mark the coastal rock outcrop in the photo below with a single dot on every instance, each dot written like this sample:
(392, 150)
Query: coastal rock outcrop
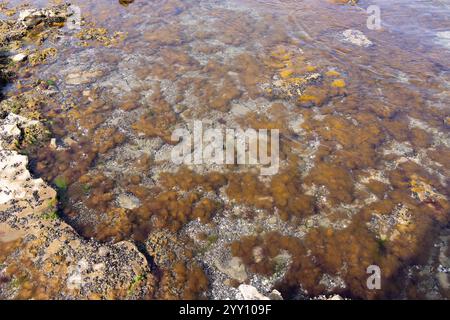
(43, 257)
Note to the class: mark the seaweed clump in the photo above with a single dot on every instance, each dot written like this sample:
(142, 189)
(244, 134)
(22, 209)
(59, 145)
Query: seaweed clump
(159, 120)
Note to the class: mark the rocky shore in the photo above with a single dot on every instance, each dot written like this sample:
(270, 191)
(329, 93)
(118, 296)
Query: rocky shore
(52, 259)
(91, 207)
(41, 256)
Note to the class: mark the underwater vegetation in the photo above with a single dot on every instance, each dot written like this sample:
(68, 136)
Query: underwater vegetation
(364, 153)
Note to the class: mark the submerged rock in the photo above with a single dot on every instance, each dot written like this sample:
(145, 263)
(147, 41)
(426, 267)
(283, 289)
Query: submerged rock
(128, 201)
(356, 37)
(83, 77)
(443, 38)
(234, 268)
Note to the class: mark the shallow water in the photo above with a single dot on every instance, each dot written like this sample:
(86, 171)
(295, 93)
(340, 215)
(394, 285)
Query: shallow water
(364, 154)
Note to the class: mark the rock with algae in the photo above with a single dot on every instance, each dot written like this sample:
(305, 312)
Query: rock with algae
(443, 39)
(45, 258)
(14, 129)
(29, 18)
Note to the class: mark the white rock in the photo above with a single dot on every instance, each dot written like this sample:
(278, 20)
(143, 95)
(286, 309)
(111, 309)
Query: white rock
(336, 297)
(103, 251)
(356, 37)
(9, 131)
(53, 144)
(249, 292)
(86, 77)
(258, 254)
(31, 17)
(25, 14)
(443, 38)
(10, 128)
(15, 180)
(76, 279)
(239, 110)
(19, 57)
(19, 120)
(128, 201)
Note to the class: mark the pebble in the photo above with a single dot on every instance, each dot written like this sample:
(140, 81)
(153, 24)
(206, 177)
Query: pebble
(53, 144)
(19, 57)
